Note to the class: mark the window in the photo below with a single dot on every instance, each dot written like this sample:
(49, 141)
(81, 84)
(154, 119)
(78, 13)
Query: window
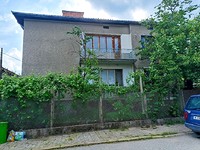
(193, 103)
(146, 71)
(142, 41)
(112, 76)
(145, 39)
(105, 43)
(106, 27)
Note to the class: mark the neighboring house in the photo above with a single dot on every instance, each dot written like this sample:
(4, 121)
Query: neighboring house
(2, 69)
(47, 47)
(6, 71)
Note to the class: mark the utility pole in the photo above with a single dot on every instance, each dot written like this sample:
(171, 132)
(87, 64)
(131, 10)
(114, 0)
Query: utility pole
(1, 58)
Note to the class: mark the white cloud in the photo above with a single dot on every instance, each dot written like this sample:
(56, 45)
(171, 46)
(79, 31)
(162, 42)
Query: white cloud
(42, 10)
(102, 14)
(9, 25)
(10, 29)
(139, 14)
(12, 60)
(6, 17)
(86, 7)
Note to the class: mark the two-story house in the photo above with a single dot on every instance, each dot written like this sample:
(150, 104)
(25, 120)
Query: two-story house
(47, 47)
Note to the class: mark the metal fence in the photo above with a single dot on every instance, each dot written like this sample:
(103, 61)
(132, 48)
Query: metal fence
(66, 112)
(32, 116)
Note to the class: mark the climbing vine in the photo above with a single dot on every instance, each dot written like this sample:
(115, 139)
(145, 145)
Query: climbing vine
(35, 88)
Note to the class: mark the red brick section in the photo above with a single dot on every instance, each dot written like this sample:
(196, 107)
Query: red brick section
(73, 14)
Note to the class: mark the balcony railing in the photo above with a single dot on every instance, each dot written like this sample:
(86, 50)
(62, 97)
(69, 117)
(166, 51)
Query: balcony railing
(113, 54)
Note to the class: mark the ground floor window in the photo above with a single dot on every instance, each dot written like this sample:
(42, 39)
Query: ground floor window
(112, 76)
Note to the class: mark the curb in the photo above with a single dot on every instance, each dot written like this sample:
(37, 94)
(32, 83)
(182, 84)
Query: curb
(134, 138)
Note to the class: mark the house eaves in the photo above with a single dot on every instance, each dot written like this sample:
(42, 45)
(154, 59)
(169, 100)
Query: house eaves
(20, 17)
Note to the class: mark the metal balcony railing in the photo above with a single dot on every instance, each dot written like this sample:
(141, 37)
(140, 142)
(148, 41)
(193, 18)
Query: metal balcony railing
(113, 54)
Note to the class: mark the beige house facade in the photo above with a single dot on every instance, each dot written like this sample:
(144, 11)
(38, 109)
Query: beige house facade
(48, 48)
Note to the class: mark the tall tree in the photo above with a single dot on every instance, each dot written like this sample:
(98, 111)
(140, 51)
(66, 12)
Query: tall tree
(174, 49)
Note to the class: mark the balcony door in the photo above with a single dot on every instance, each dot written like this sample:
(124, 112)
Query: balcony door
(116, 47)
(105, 44)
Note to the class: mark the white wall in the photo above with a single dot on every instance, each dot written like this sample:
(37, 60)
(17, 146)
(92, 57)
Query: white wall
(126, 45)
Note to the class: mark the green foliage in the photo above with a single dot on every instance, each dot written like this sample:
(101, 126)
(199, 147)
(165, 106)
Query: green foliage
(174, 48)
(85, 83)
(124, 106)
(34, 88)
(174, 110)
(24, 99)
(134, 80)
(155, 110)
(80, 36)
(174, 121)
(82, 84)
(66, 114)
(27, 98)
(33, 115)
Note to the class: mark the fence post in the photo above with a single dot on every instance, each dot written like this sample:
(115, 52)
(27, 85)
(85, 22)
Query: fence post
(101, 110)
(144, 102)
(145, 105)
(181, 98)
(52, 110)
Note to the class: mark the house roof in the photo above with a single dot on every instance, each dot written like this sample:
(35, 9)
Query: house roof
(20, 17)
(8, 72)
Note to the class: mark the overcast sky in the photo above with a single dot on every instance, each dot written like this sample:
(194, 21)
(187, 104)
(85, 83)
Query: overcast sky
(11, 34)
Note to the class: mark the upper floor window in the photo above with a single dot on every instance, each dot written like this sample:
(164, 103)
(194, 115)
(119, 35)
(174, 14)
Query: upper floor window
(145, 39)
(104, 43)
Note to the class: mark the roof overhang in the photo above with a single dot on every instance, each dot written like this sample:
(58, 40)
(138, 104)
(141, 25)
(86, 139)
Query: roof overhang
(20, 17)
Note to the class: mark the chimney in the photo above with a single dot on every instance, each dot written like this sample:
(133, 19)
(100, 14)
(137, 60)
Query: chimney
(74, 14)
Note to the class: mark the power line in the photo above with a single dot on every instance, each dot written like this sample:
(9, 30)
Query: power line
(12, 57)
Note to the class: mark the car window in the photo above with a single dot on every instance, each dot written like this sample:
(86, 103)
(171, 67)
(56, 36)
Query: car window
(193, 103)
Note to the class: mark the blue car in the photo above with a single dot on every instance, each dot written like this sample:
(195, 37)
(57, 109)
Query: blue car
(192, 113)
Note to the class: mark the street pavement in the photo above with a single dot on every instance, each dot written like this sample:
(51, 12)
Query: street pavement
(189, 141)
(96, 137)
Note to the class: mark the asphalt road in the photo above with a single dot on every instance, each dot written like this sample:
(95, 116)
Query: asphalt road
(182, 142)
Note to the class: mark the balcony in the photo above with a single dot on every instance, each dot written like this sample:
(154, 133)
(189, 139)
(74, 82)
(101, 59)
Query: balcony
(122, 54)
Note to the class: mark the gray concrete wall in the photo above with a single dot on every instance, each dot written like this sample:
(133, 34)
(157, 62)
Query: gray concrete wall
(47, 46)
(98, 29)
(136, 32)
